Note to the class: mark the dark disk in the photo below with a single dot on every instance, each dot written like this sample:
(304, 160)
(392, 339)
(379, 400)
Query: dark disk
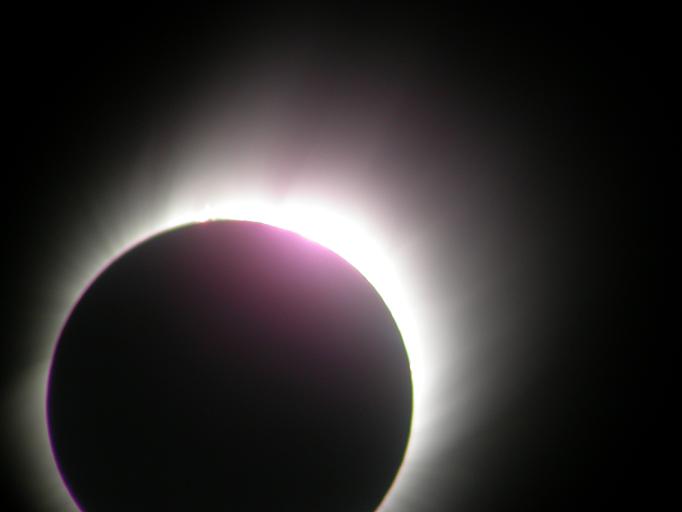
(229, 366)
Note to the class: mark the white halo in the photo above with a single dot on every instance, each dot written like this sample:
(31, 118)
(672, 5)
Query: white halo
(381, 215)
(337, 228)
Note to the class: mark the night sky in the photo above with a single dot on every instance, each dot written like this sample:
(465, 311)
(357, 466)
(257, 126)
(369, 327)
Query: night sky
(495, 152)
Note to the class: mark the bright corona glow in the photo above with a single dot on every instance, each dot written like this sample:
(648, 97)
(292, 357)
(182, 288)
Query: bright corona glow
(360, 159)
(409, 233)
(351, 237)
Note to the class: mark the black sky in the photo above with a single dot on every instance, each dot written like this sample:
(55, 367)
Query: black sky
(87, 87)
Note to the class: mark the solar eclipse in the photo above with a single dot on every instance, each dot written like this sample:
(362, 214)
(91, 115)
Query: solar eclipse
(229, 364)
(472, 172)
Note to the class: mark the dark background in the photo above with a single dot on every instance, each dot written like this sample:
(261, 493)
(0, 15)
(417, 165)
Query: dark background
(571, 80)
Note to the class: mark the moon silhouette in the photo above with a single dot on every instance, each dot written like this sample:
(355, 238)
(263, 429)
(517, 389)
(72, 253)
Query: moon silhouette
(229, 365)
